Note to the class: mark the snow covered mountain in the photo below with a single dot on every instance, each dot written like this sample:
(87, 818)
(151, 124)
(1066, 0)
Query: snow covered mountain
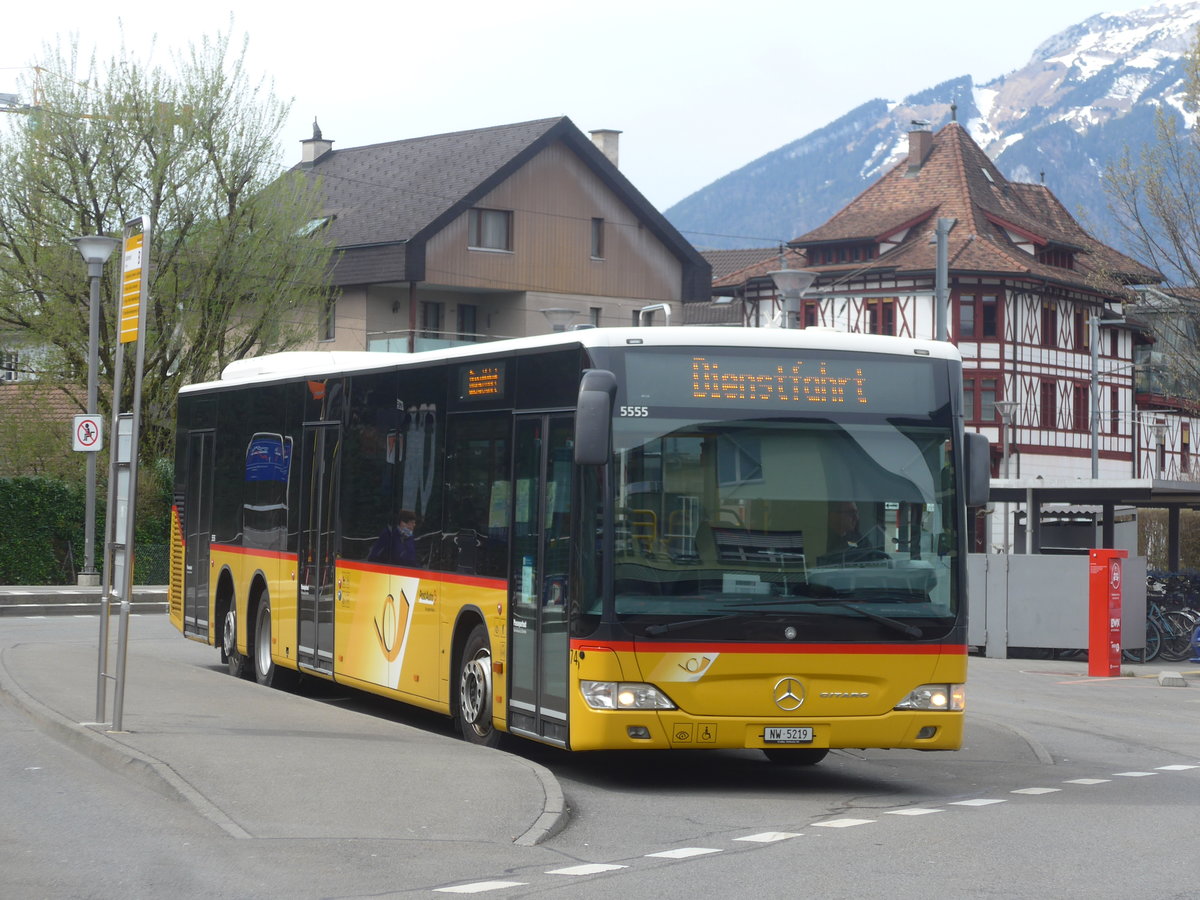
(1086, 95)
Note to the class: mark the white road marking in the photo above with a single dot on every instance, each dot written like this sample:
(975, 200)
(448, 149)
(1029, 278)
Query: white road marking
(684, 852)
(842, 823)
(978, 802)
(479, 887)
(914, 811)
(1036, 791)
(768, 837)
(586, 869)
(1131, 774)
(1088, 781)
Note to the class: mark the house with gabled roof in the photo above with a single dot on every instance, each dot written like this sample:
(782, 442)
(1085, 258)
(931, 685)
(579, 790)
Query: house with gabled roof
(495, 232)
(1028, 291)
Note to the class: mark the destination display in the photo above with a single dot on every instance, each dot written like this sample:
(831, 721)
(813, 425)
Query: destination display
(481, 382)
(771, 380)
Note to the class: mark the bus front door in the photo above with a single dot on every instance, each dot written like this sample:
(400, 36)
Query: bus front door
(197, 531)
(317, 547)
(543, 482)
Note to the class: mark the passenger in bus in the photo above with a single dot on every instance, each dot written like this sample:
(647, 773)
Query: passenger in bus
(843, 526)
(395, 543)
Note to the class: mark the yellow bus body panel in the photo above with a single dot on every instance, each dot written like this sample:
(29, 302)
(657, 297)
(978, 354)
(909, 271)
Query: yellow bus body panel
(726, 697)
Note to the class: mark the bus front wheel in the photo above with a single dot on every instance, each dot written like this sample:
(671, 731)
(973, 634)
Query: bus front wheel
(475, 690)
(796, 756)
(235, 663)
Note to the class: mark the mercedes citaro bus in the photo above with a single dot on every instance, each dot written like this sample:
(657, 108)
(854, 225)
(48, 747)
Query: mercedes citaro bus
(671, 538)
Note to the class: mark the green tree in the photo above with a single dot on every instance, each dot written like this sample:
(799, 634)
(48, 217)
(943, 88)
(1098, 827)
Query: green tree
(234, 269)
(1154, 193)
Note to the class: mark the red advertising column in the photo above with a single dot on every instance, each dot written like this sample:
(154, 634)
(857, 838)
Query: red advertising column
(1104, 612)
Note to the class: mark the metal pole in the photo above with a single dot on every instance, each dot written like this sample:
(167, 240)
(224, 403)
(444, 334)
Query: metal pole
(88, 575)
(942, 275)
(1004, 450)
(1094, 339)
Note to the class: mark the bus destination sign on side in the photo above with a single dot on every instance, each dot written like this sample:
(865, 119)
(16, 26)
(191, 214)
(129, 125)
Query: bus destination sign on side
(794, 382)
(481, 382)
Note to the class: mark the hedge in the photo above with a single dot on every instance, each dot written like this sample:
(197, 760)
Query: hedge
(41, 531)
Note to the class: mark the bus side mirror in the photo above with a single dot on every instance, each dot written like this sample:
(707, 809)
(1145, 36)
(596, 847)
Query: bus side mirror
(593, 417)
(978, 469)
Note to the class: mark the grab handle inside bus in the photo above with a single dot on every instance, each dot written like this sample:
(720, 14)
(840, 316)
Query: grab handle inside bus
(593, 417)
(978, 468)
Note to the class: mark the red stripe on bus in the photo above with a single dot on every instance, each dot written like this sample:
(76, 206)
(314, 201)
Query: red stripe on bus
(664, 647)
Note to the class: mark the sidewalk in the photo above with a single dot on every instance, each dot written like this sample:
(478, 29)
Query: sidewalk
(70, 600)
(264, 763)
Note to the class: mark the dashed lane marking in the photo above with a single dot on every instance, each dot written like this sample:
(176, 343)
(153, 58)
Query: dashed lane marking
(842, 823)
(1088, 781)
(479, 887)
(913, 811)
(1132, 774)
(1036, 790)
(586, 869)
(978, 801)
(769, 837)
(684, 852)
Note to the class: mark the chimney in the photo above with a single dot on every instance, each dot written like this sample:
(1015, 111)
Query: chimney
(920, 142)
(315, 147)
(607, 139)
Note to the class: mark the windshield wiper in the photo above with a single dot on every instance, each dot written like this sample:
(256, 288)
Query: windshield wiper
(895, 624)
(664, 628)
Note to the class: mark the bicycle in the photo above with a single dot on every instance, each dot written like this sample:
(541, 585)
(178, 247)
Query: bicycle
(1168, 634)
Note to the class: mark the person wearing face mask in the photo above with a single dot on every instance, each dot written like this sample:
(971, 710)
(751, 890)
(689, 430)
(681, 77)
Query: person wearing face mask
(396, 543)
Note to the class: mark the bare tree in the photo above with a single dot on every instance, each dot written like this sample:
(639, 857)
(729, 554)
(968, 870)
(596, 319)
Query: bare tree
(236, 268)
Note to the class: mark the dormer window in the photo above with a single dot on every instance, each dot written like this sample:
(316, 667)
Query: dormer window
(1062, 259)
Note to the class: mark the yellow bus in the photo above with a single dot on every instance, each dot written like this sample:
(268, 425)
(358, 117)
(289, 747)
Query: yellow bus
(610, 538)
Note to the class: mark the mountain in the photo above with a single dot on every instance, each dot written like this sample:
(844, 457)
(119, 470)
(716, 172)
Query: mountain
(1087, 94)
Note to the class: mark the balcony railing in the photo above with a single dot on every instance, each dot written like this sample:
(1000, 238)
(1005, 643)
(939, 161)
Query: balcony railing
(397, 341)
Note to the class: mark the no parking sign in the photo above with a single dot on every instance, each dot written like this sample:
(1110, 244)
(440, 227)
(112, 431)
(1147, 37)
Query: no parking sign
(89, 433)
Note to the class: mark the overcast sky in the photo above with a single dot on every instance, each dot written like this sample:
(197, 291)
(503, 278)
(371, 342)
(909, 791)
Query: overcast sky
(698, 88)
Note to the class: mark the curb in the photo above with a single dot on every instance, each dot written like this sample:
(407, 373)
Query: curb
(112, 754)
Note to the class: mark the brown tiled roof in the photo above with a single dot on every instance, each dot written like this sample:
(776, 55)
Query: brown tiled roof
(759, 268)
(957, 180)
(31, 399)
(726, 262)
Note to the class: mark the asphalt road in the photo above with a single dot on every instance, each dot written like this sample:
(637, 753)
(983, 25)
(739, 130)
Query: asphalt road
(1067, 787)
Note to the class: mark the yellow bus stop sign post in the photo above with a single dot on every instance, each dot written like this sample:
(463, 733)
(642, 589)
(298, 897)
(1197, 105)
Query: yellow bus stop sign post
(122, 482)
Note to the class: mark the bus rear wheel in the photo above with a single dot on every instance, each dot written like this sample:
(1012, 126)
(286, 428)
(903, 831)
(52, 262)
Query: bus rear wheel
(796, 756)
(235, 663)
(265, 670)
(475, 690)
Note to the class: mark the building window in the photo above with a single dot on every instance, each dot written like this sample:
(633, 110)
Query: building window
(1049, 324)
(431, 319)
(489, 229)
(8, 365)
(881, 316)
(329, 319)
(1080, 323)
(979, 396)
(597, 239)
(1114, 411)
(594, 316)
(1079, 396)
(1049, 408)
(467, 325)
(1113, 342)
(1185, 447)
(978, 317)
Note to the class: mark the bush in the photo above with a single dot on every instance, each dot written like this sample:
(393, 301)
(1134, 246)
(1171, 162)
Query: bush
(41, 529)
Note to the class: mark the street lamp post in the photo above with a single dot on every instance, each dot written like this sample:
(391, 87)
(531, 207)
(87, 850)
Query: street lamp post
(792, 283)
(95, 250)
(1006, 408)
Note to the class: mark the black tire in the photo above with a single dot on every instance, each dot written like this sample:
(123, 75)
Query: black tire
(235, 663)
(796, 756)
(473, 713)
(265, 670)
(1177, 636)
(1150, 651)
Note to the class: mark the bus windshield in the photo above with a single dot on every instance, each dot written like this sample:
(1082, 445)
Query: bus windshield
(805, 529)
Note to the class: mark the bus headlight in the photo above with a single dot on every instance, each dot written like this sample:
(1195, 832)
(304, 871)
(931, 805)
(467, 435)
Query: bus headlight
(624, 695)
(936, 697)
